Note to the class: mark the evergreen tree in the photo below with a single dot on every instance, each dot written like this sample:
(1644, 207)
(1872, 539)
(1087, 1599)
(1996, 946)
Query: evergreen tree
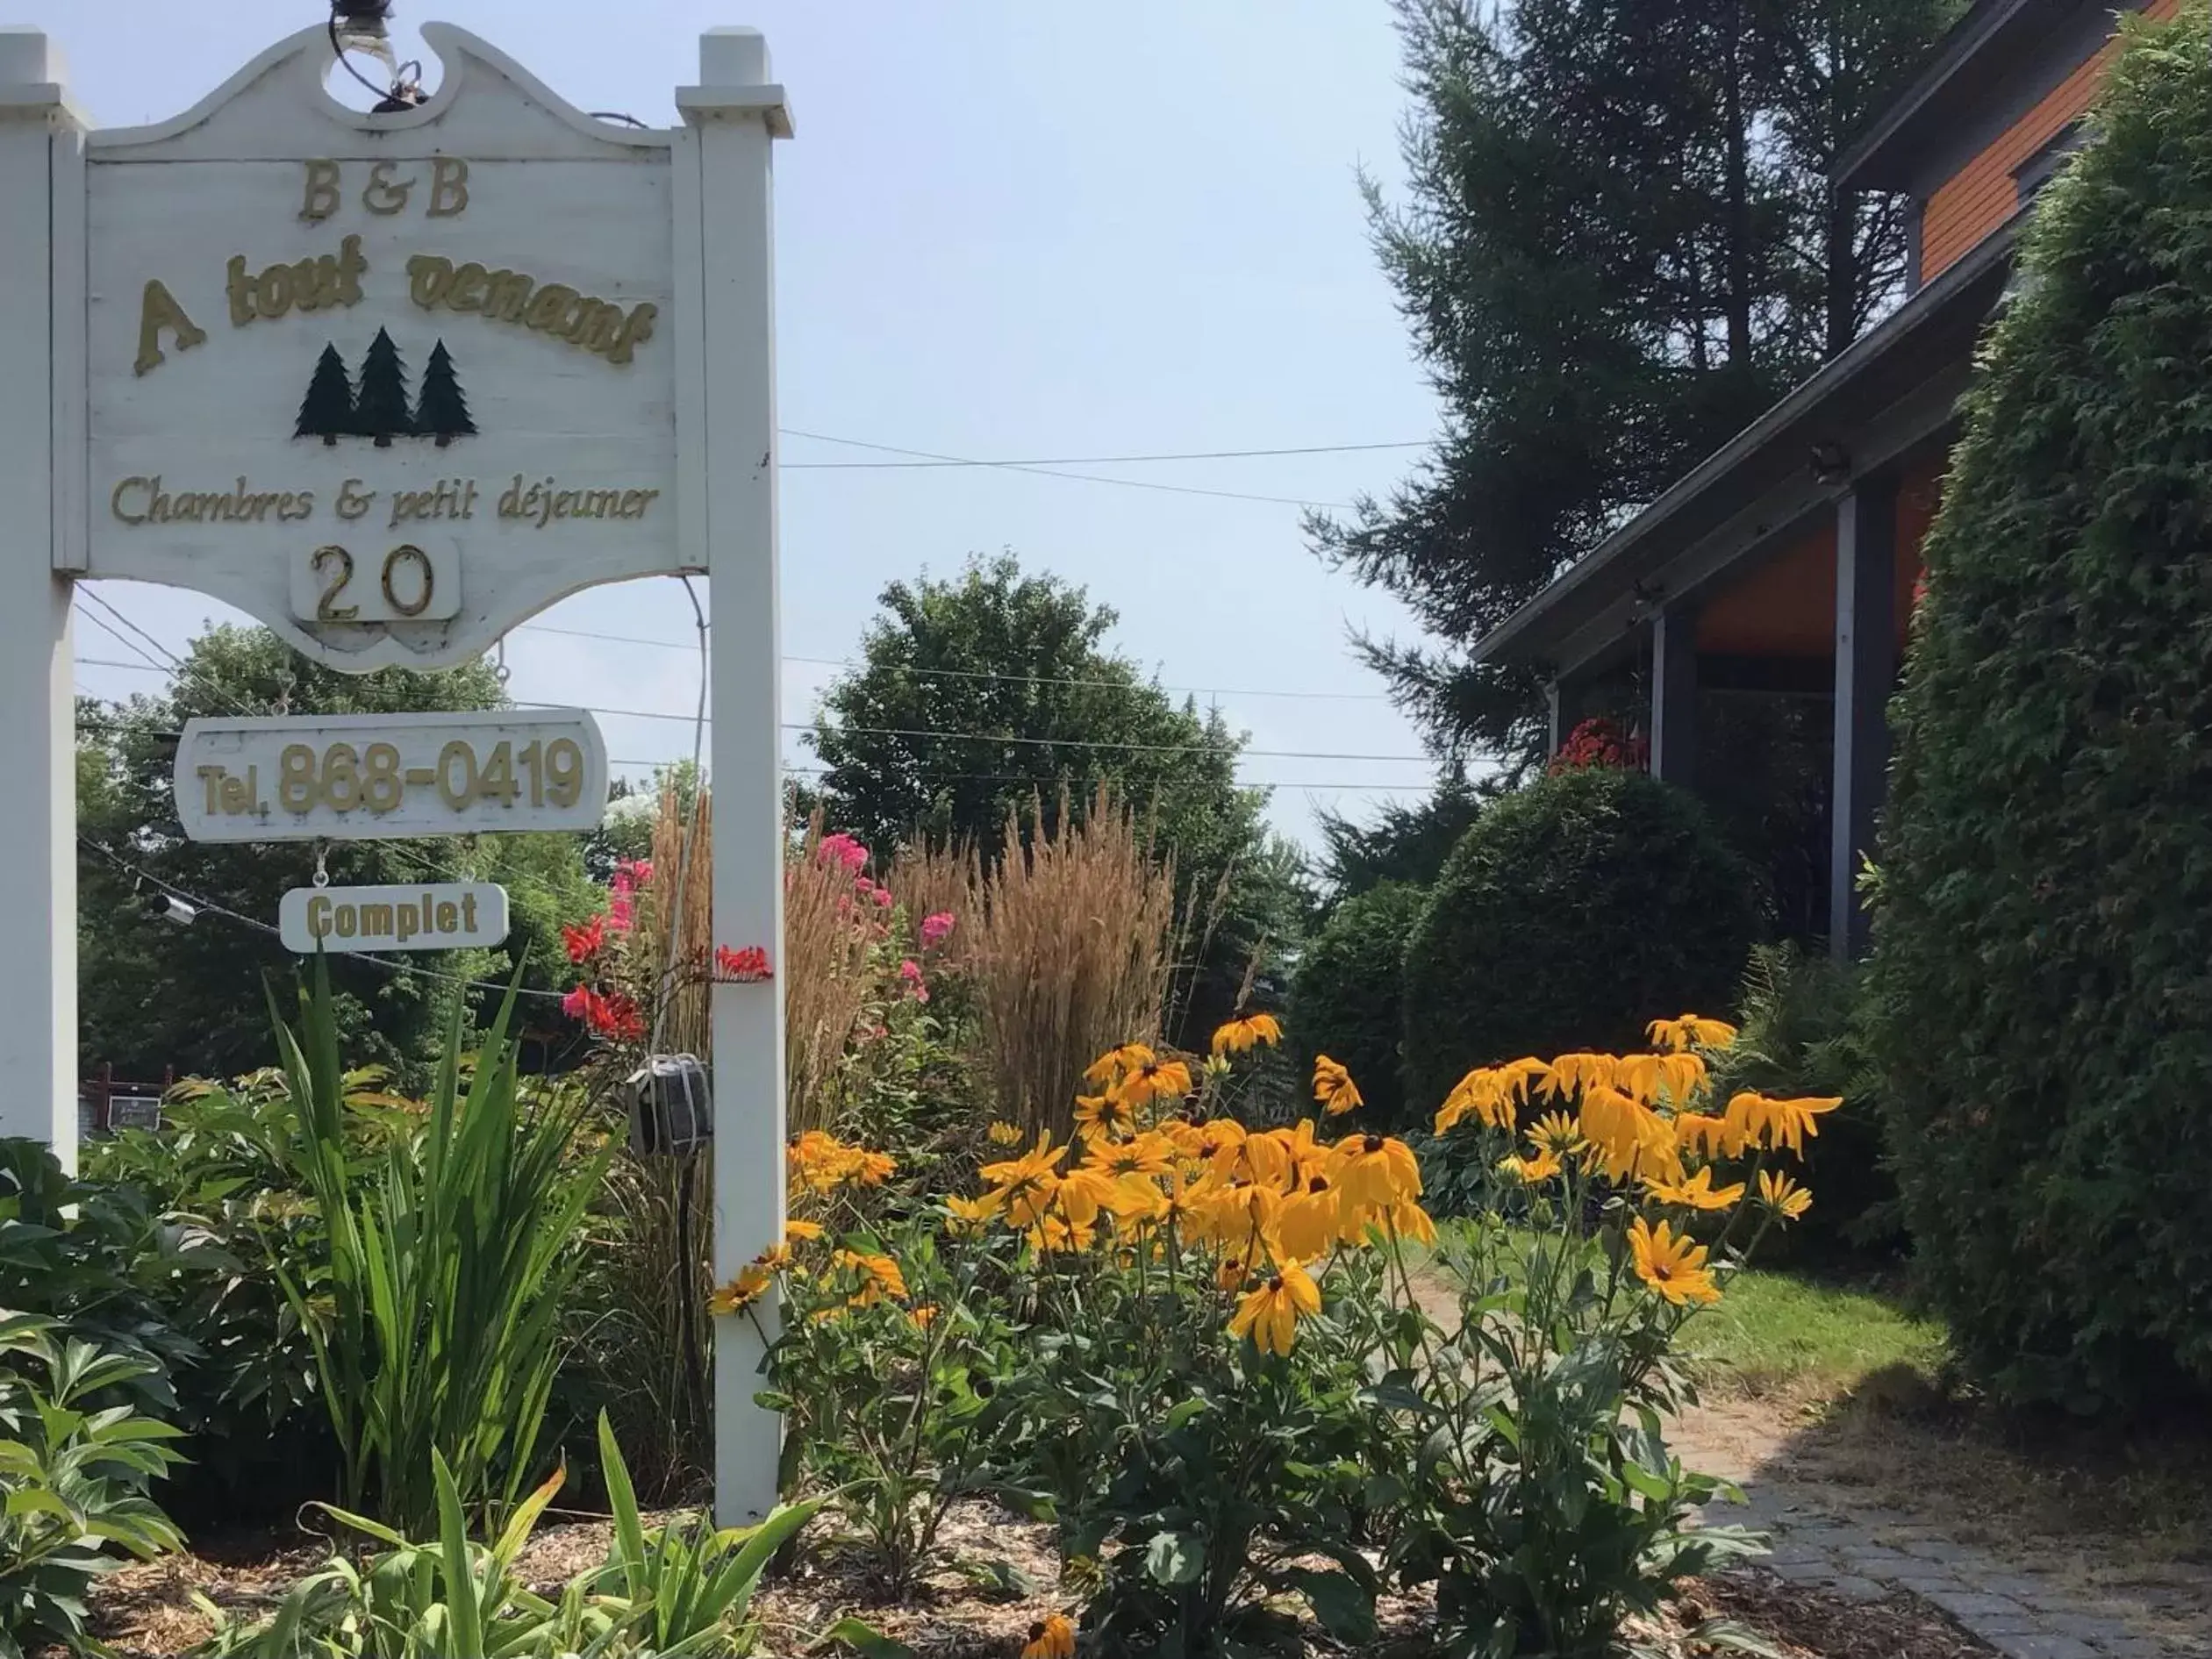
(381, 410)
(1618, 247)
(441, 412)
(327, 411)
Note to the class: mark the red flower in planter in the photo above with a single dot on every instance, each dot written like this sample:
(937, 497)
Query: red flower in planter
(745, 967)
(1600, 742)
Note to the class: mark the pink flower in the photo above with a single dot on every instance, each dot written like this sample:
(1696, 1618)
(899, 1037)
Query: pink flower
(584, 942)
(619, 915)
(936, 929)
(633, 872)
(882, 896)
(910, 971)
(841, 848)
(577, 1004)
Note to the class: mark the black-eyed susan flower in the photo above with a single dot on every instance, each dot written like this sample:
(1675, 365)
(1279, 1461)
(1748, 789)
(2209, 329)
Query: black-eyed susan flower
(1630, 1137)
(799, 1231)
(1759, 1120)
(1375, 1171)
(964, 1218)
(1691, 1030)
(1557, 1133)
(1270, 1313)
(1334, 1088)
(1148, 1154)
(1671, 1265)
(1002, 1133)
(1247, 1032)
(1023, 1186)
(1310, 1219)
(1579, 1072)
(1676, 1079)
(879, 1277)
(1114, 1062)
(1783, 1196)
(1696, 1193)
(1155, 1082)
(750, 1285)
(1707, 1135)
(1493, 1094)
(1051, 1637)
(1534, 1171)
(1104, 1117)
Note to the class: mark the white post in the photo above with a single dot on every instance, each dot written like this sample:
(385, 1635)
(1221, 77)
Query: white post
(42, 234)
(725, 427)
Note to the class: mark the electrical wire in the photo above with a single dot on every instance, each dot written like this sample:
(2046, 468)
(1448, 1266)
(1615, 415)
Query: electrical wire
(1066, 460)
(210, 907)
(1080, 477)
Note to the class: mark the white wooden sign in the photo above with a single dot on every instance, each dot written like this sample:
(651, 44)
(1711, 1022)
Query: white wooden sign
(389, 778)
(441, 916)
(390, 383)
(392, 390)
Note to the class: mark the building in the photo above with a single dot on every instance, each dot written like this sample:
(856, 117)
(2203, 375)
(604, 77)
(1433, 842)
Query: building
(1783, 567)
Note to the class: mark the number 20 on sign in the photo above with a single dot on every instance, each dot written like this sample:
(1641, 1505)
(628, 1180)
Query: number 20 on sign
(372, 777)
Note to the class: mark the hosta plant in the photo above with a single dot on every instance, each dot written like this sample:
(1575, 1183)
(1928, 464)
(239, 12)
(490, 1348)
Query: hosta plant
(73, 1479)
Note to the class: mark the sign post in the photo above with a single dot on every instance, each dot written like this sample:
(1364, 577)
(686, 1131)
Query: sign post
(391, 383)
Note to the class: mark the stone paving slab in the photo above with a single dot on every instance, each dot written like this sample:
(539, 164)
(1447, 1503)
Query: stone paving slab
(1871, 1554)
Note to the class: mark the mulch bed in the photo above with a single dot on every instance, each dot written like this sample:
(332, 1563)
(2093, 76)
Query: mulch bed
(999, 1576)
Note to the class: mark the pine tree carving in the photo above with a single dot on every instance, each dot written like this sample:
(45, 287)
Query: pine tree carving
(327, 411)
(441, 412)
(380, 409)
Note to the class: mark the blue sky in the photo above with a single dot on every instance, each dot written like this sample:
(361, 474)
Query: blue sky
(1007, 228)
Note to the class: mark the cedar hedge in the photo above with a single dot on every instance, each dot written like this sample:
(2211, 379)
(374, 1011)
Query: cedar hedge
(2042, 970)
(1574, 911)
(1345, 1002)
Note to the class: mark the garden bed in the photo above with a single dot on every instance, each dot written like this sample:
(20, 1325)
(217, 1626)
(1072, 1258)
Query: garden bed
(1003, 1577)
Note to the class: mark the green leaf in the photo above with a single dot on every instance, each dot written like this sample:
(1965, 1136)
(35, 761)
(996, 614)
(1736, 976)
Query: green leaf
(863, 1639)
(1345, 1609)
(1175, 1558)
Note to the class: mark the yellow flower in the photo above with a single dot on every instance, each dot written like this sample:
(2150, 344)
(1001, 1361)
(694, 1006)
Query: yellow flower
(1052, 1235)
(1698, 1192)
(1155, 1081)
(1334, 1088)
(1003, 1133)
(879, 1276)
(750, 1285)
(1148, 1154)
(1051, 1637)
(1309, 1220)
(871, 1169)
(1783, 1196)
(966, 1217)
(1409, 1220)
(1755, 1120)
(1700, 1133)
(1114, 1061)
(1104, 1117)
(1633, 1139)
(924, 1316)
(1691, 1030)
(1569, 1073)
(1532, 1171)
(1491, 1093)
(1025, 1184)
(1673, 1267)
(1674, 1078)
(1375, 1171)
(801, 1232)
(1085, 1193)
(1556, 1132)
(1270, 1313)
(1243, 1219)
(1240, 1036)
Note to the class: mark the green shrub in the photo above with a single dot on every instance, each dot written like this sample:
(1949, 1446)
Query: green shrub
(1801, 1032)
(1345, 1001)
(73, 1478)
(2042, 971)
(1570, 911)
(437, 1324)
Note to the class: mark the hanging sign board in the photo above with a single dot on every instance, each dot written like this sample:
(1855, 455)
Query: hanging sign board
(442, 916)
(388, 390)
(355, 777)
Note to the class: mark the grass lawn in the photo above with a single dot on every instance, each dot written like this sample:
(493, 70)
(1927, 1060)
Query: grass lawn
(1782, 1330)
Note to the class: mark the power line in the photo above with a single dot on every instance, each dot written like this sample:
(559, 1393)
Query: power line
(1081, 478)
(1072, 461)
(982, 673)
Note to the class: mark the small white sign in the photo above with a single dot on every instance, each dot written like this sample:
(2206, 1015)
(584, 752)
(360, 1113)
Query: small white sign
(445, 916)
(350, 778)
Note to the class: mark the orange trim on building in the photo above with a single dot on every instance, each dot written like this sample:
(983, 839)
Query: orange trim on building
(1981, 196)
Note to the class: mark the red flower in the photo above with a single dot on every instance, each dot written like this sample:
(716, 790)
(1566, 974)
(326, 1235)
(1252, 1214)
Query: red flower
(615, 1015)
(578, 1003)
(586, 941)
(746, 966)
(1600, 742)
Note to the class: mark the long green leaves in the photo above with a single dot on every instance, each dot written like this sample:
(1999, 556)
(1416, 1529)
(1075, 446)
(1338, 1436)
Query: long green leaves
(436, 1333)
